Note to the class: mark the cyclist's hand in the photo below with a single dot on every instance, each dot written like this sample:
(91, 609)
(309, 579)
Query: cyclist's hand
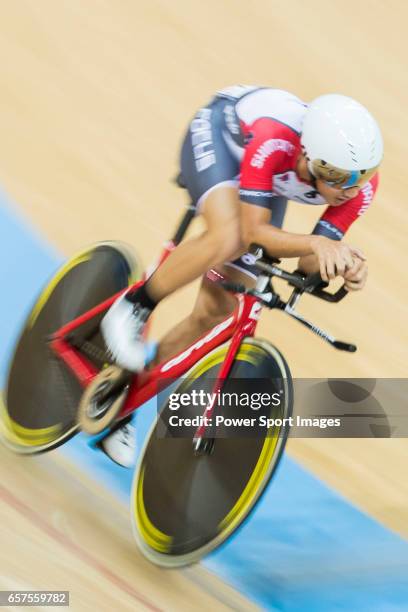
(356, 277)
(334, 258)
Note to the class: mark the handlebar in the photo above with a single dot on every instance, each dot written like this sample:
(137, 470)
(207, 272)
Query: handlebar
(311, 284)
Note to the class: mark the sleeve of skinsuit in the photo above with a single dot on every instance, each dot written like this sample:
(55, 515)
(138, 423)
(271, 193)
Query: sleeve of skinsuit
(271, 148)
(336, 220)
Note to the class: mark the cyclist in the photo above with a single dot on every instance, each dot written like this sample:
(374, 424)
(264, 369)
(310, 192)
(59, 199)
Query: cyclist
(245, 154)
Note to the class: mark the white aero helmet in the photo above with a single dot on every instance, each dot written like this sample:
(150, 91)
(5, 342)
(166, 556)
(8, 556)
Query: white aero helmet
(341, 140)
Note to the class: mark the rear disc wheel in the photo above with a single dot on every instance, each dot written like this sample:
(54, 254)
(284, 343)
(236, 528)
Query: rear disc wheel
(39, 411)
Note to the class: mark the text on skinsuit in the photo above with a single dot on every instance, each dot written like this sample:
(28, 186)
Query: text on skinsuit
(194, 347)
(201, 138)
(268, 147)
(368, 194)
(229, 115)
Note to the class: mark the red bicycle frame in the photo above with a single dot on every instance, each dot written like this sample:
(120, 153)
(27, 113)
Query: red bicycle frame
(240, 323)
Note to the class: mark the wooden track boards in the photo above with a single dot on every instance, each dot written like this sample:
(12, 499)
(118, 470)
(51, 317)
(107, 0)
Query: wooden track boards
(95, 98)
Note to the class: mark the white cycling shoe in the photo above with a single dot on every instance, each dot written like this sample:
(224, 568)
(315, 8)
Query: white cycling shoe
(120, 445)
(122, 328)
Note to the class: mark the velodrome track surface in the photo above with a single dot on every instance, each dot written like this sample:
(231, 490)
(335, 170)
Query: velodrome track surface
(95, 97)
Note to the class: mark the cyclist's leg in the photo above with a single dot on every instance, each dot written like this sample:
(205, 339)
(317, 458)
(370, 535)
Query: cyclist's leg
(213, 303)
(219, 212)
(219, 241)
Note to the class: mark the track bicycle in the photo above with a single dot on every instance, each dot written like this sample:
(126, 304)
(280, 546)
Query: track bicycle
(189, 493)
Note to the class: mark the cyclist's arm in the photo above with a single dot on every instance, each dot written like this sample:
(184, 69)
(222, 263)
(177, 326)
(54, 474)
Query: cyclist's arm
(333, 258)
(355, 278)
(257, 229)
(271, 149)
(334, 224)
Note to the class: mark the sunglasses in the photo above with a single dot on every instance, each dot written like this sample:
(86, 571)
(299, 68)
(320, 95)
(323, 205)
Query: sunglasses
(336, 177)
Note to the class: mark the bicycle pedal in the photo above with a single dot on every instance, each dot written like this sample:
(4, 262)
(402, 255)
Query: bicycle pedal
(103, 399)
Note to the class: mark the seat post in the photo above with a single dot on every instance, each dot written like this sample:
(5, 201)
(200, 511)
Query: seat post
(185, 222)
